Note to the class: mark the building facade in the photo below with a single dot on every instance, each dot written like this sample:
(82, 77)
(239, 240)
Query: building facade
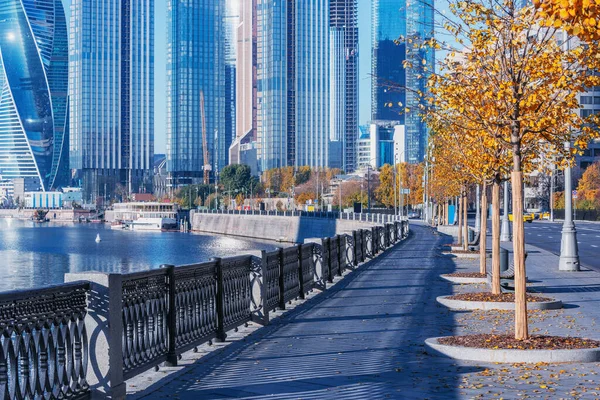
(196, 68)
(311, 80)
(33, 93)
(231, 25)
(398, 29)
(343, 17)
(111, 96)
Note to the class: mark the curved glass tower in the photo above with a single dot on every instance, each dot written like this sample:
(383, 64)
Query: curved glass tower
(33, 92)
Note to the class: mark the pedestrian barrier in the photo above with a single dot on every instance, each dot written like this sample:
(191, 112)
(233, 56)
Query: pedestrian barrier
(141, 320)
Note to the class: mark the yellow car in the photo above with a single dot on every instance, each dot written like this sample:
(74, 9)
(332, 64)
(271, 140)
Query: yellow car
(526, 217)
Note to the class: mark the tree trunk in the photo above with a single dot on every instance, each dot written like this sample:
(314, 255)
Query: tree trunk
(483, 232)
(446, 213)
(521, 330)
(466, 224)
(459, 211)
(496, 238)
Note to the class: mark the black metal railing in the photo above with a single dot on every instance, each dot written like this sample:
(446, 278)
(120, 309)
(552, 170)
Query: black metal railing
(44, 346)
(161, 313)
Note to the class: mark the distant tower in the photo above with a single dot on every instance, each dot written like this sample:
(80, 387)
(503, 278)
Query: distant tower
(343, 17)
(111, 95)
(392, 20)
(33, 93)
(196, 64)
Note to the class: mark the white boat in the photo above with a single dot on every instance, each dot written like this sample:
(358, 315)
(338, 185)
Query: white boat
(141, 216)
(98, 240)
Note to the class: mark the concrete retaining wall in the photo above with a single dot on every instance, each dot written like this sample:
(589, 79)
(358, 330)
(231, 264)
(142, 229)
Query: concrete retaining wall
(283, 229)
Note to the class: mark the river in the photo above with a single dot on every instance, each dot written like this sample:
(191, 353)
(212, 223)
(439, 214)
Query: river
(35, 255)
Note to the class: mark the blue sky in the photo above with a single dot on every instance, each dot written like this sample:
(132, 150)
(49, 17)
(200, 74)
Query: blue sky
(160, 98)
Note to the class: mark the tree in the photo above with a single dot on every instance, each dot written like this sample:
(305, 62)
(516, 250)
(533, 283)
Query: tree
(578, 17)
(385, 192)
(303, 175)
(520, 89)
(589, 186)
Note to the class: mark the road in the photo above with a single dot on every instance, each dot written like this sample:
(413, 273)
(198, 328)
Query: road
(547, 235)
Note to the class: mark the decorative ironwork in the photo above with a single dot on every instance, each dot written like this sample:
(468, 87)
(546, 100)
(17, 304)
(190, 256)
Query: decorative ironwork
(195, 304)
(44, 347)
(350, 250)
(307, 267)
(257, 291)
(145, 309)
(334, 258)
(270, 265)
(382, 238)
(289, 279)
(236, 291)
(318, 263)
(370, 246)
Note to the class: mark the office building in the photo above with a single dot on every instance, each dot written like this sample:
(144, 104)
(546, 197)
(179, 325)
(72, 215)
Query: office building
(394, 89)
(111, 96)
(343, 17)
(246, 83)
(195, 68)
(231, 25)
(33, 93)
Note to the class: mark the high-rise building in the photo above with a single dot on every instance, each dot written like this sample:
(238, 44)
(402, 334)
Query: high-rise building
(246, 85)
(309, 47)
(196, 67)
(343, 17)
(272, 84)
(398, 29)
(33, 93)
(231, 22)
(293, 83)
(111, 95)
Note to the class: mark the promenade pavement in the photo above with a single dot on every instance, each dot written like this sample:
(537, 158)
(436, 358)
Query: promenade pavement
(364, 339)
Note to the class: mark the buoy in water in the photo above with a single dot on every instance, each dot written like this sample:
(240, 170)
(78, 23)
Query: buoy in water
(98, 240)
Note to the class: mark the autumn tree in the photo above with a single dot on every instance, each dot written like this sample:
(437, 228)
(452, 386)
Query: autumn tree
(578, 17)
(589, 186)
(528, 86)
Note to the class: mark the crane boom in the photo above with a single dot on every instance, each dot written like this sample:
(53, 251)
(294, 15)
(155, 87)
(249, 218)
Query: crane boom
(205, 156)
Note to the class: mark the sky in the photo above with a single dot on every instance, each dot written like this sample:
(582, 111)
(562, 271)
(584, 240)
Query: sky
(160, 67)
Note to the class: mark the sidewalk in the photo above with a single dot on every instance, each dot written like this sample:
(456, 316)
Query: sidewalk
(363, 339)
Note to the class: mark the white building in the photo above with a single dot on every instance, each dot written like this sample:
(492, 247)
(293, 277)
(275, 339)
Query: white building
(45, 200)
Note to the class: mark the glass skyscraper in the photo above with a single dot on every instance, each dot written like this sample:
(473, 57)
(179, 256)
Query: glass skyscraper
(196, 64)
(344, 78)
(410, 25)
(231, 22)
(33, 92)
(111, 91)
(272, 83)
(312, 82)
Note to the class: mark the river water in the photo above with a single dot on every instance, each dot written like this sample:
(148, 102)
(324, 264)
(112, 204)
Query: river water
(35, 255)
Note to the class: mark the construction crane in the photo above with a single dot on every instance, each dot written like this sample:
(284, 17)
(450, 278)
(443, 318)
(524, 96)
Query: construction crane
(207, 167)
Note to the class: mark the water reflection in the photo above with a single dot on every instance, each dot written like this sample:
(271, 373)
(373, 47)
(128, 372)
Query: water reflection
(34, 255)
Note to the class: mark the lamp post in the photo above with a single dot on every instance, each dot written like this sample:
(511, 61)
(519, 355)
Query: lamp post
(505, 235)
(569, 253)
(369, 187)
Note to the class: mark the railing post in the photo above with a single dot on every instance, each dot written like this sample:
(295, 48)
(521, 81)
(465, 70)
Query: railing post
(263, 286)
(341, 254)
(300, 274)
(221, 334)
(355, 260)
(374, 240)
(171, 316)
(104, 325)
(281, 280)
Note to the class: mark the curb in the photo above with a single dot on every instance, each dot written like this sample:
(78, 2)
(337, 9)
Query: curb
(474, 256)
(456, 279)
(495, 305)
(513, 355)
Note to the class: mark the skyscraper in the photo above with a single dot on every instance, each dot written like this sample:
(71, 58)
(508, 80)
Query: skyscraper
(343, 19)
(111, 90)
(231, 21)
(33, 92)
(243, 149)
(398, 30)
(293, 82)
(310, 48)
(196, 65)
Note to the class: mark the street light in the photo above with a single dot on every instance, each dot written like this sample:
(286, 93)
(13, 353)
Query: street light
(569, 253)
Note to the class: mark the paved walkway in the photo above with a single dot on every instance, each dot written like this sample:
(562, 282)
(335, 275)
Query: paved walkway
(363, 339)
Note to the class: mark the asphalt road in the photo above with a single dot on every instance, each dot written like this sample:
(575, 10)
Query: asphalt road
(547, 235)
